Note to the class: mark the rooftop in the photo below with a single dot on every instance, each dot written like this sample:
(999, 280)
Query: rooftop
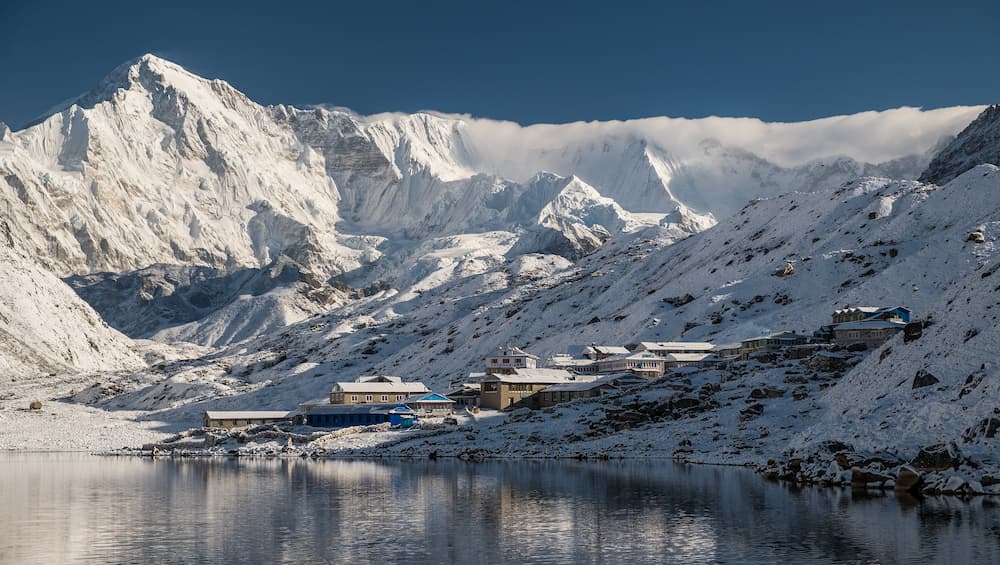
(432, 397)
(607, 349)
(378, 379)
(511, 352)
(676, 345)
(414, 387)
(351, 409)
(247, 414)
(537, 376)
(687, 356)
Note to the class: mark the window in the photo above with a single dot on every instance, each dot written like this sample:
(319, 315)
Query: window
(385, 398)
(354, 398)
(399, 397)
(368, 398)
(490, 387)
(506, 361)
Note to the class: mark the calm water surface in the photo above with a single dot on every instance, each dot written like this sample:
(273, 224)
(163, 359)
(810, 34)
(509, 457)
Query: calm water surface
(67, 508)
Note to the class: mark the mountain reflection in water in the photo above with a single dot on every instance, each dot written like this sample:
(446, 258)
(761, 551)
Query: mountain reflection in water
(60, 508)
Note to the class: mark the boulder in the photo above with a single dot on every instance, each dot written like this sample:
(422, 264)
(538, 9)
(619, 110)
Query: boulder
(751, 412)
(924, 378)
(766, 392)
(954, 485)
(827, 362)
(35, 405)
(678, 301)
(865, 477)
(685, 403)
(938, 457)
(912, 331)
(986, 428)
(908, 479)
(787, 270)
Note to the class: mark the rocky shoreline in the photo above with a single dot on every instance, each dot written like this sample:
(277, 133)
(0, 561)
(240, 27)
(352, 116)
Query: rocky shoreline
(936, 470)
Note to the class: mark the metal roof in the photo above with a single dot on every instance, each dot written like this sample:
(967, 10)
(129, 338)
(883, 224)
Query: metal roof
(352, 409)
(676, 345)
(537, 376)
(247, 414)
(408, 388)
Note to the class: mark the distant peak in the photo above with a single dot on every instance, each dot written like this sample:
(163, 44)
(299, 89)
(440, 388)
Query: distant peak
(977, 144)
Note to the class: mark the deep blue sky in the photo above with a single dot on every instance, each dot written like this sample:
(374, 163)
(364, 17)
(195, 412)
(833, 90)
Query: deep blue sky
(527, 61)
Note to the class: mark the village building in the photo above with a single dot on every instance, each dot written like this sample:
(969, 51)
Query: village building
(244, 418)
(348, 415)
(677, 360)
(430, 405)
(466, 395)
(866, 326)
(863, 313)
(565, 361)
(598, 352)
(508, 390)
(508, 359)
(644, 363)
(375, 390)
(662, 348)
(565, 392)
(728, 351)
(869, 333)
(770, 343)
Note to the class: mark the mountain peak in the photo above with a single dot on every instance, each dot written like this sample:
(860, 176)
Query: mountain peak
(977, 144)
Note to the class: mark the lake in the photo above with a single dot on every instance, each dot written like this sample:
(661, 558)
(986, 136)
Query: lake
(76, 508)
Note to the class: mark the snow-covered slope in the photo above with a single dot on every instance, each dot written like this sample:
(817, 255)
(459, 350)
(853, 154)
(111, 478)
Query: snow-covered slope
(978, 143)
(945, 386)
(46, 328)
(872, 241)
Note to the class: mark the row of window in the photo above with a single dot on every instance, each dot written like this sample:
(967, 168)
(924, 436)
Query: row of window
(506, 361)
(346, 419)
(371, 398)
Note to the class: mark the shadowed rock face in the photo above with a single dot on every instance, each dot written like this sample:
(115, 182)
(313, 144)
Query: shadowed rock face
(977, 144)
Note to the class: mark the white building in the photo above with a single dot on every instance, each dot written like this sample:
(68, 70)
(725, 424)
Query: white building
(375, 390)
(506, 359)
(666, 347)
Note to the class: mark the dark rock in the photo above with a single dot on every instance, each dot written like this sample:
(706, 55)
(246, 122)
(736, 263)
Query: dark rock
(864, 477)
(971, 382)
(751, 412)
(842, 460)
(762, 393)
(912, 331)
(986, 428)
(908, 479)
(924, 378)
(835, 446)
(678, 301)
(685, 403)
(827, 363)
(988, 481)
(938, 457)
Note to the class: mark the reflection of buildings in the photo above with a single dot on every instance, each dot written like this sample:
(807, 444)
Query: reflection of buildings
(70, 508)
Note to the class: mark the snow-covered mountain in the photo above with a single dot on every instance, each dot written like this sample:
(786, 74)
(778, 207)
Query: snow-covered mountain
(978, 143)
(181, 209)
(314, 245)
